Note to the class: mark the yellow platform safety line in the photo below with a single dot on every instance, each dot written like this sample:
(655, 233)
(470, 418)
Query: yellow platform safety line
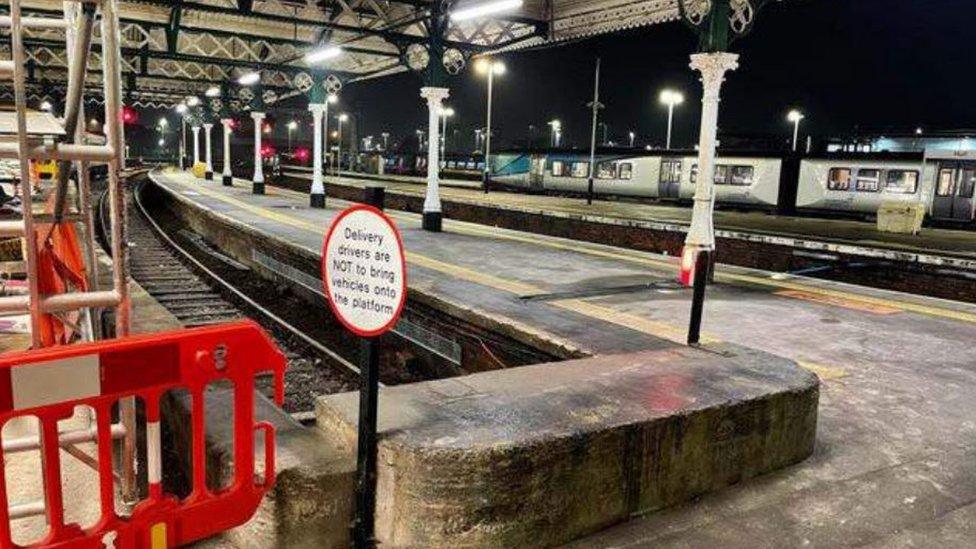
(849, 298)
(520, 289)
(854, 304)
(157, 536)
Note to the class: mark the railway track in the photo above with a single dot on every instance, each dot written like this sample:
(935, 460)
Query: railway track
(196, 295)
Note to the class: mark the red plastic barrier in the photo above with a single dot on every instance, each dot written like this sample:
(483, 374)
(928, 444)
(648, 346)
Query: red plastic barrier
(146, 367)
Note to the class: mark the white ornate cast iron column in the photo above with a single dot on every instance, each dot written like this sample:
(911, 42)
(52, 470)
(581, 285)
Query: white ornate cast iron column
(258, 186)
(701, 234)
(228, 176)
(317, 196)
(196, 146)
(207, 131)
(432, 202)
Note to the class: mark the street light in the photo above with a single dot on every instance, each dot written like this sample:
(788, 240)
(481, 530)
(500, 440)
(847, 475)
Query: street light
(486, 65)
(671, 98)
(632, 135)
(484, 9)
(557, 131)
(795, 117)
(292, 126)
(341, 118)
(445, 114)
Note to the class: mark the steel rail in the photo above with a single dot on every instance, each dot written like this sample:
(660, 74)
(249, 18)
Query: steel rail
(137, 200)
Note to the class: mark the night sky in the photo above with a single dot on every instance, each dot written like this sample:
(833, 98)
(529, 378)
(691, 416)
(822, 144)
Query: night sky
(845, 63)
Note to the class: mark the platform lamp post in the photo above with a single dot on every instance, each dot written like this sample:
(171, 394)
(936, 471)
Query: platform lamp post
(795, 117)
(491, 68)
(341, 118)
(445, 114)
(556, 130)
(595, 106)
(715, 23)
(671, 99)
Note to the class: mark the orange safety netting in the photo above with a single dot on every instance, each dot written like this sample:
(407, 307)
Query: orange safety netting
(60, 269)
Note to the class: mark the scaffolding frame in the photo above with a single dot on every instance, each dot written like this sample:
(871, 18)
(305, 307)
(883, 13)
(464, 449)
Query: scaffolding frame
(70, 148)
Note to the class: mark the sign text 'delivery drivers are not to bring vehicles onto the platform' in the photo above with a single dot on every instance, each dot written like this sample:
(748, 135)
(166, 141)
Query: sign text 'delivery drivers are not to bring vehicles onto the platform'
(364, 271)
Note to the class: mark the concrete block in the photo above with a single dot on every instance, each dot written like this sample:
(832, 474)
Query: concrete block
(540, 455)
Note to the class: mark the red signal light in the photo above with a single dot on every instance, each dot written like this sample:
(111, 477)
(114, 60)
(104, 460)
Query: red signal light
(129, 115)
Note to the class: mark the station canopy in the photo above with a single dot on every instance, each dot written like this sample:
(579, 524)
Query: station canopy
(172, 48)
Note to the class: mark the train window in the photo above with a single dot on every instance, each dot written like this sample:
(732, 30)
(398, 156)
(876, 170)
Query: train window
(694, 173)
(868, 180)
(557, 168)
(947, 183)
(966, 183)
(671, 171)
(901, 181)
(839, 179)
(626, 170)
(606, 170)
(742, 175)
(721, 175)
(581, 169)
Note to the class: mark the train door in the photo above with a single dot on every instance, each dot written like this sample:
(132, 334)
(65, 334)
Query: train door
(537, 170)
(954, 185)
(669, 184)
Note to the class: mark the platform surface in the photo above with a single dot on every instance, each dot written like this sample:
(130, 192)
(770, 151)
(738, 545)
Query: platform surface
(959, 243)
(896, 439)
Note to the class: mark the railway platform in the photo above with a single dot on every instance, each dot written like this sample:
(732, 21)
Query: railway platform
(892, 437)
(940, 262)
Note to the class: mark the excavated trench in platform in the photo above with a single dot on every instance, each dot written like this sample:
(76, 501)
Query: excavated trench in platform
(427, 343)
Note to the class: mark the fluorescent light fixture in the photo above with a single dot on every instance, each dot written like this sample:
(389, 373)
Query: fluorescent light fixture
(332, 98)
(181, 108)
(213, 91)
(46, 106)
(249, 79)
(483, 9)
(192, 101)
(323, 54)
(343, 117)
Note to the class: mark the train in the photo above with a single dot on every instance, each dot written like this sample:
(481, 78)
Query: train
(832, 183)
(840, 184)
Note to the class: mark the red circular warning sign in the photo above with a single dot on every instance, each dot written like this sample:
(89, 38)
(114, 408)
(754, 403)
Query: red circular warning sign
(364, 271)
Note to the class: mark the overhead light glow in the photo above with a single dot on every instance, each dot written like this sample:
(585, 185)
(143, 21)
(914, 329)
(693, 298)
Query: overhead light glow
(192, 101)
(332, 98)
(671, 97)
(181, 108)
(213, 91)
(343, 117)
(46, 106)
(249, 79)
(483, 9)
(323, 54)
(795, 116)
(292, 125)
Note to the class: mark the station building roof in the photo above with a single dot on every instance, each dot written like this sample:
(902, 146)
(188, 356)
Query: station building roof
(172, 48)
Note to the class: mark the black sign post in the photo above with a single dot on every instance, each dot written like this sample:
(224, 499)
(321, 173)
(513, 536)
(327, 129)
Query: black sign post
(369, 383)
(364, 275)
